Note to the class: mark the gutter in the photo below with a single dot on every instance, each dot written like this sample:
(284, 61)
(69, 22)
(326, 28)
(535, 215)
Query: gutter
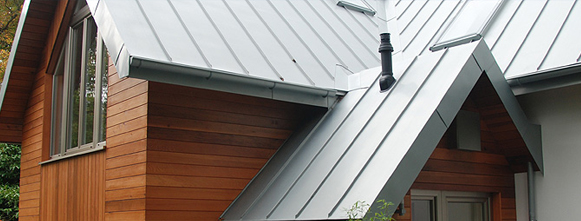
(546, 79)
(220, 80)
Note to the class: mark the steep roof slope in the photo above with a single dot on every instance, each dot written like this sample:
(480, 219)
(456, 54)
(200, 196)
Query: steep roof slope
(372, 145)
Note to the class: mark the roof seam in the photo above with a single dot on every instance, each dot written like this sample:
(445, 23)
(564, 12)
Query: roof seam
(336, 34)
(557, 36)
(389, 132)
(320, 150)
(153, 30)
(192, 39)
(526, 37)
(316, 58)
(222, 37)
(350, 13)
(288, 53)
(422, 27)
(352, 32)
(413, 18)
(252, 40)
(431, 41)
(506, 26)
(317, 34)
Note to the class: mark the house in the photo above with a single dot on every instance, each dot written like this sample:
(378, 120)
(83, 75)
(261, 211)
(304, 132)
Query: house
(271, 110)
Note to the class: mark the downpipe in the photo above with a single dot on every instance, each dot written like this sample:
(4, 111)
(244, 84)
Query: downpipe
(531, 189)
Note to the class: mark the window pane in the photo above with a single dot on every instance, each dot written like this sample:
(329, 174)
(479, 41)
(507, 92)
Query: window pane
(89, 78)
(104, 90)
(75, 82)
(465, 211)
(422, 210)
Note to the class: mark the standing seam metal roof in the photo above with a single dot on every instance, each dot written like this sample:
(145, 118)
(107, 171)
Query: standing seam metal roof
(372, 145)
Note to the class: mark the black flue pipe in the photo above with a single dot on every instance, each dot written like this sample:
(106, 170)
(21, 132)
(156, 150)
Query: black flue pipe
(386, 80)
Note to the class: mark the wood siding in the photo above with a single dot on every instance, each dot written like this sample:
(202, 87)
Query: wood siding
(74, 188)
(126, 148)
(473, 171)
(205, 146)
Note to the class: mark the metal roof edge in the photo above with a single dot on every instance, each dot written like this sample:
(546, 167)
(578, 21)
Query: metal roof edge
(15, 43)
(562, 76)
(528, 131)
(225, 81)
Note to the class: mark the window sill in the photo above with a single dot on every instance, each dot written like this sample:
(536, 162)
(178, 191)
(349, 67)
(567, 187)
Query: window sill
(79, 153)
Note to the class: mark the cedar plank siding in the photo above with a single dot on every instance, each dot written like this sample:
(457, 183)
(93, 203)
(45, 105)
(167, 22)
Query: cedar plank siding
(126, 148)
(203, 147)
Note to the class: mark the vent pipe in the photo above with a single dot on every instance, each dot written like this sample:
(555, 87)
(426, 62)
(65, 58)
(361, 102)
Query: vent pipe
(386, 80)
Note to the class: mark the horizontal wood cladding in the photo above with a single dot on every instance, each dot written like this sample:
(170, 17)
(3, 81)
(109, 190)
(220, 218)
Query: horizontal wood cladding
(125, 156)
(74, 188)
(472, 171)
(203, 147)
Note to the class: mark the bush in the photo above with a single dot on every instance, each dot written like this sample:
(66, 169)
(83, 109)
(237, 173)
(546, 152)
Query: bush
(9, 181)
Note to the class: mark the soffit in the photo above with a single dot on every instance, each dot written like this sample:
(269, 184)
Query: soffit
(23, 63)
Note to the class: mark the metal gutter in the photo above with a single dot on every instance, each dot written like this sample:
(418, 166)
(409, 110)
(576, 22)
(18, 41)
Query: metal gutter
(214, 79)
(546, 79)
(15, 43)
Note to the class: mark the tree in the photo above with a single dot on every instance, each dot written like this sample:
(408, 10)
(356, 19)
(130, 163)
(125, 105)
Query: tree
(9, 15)
(9, 181)
(9, 154)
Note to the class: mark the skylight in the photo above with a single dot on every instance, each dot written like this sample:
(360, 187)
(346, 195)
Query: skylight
(468, 24)
(357, 5)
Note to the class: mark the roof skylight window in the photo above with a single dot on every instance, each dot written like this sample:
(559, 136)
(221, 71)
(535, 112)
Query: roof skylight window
(357, 5)
(468, 24)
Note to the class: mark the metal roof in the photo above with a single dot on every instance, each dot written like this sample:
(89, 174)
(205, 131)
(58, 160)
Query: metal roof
(372, 145)
(292, 45)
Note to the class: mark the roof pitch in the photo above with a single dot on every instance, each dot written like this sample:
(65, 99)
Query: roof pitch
(372, 145)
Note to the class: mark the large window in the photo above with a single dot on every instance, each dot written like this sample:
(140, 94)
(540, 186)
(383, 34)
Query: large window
(80, 89)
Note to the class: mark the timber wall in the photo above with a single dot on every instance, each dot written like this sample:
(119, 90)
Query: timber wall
(471, 171)
(126, 148)
(203, 147)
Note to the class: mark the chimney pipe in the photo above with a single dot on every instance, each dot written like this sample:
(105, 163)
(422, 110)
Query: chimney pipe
(386, 80)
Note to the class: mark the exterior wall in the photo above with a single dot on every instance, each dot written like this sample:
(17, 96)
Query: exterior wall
(203, 147)
(557, 190)
(471, 171)
(126, 148)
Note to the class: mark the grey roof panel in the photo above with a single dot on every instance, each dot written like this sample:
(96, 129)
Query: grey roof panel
(374, 145)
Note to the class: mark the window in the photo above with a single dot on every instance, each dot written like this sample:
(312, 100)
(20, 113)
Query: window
(468, 24)
(430, 205)
(79, 98)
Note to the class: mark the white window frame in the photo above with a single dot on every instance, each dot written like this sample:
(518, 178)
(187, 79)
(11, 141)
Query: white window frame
(61, 125)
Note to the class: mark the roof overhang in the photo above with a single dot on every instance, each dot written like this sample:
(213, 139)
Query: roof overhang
(373, 145)
(192, 44)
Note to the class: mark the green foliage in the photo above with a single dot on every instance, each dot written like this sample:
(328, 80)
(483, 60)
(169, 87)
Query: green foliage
(361, 209)
(9, 195)
(9, 14)
(9, 181)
